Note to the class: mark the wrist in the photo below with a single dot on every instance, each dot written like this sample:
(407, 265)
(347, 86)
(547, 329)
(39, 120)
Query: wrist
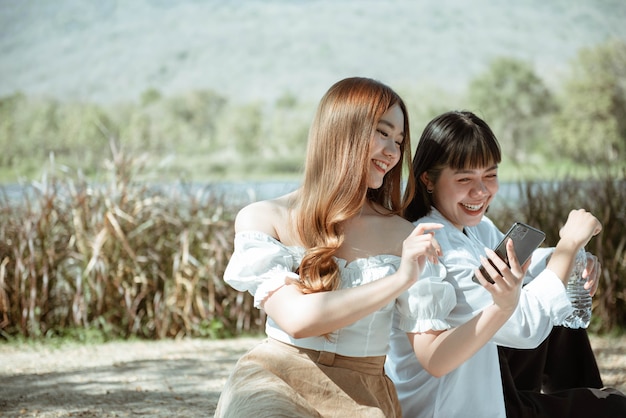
(567, 247)
(503, 312)
(562, 260)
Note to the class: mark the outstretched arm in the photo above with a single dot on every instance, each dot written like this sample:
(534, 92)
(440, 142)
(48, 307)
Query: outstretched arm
(307, 315)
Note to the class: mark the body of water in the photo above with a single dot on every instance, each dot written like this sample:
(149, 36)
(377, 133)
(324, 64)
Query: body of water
(234, 192)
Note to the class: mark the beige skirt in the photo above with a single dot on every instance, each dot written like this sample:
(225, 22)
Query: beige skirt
(275, 379)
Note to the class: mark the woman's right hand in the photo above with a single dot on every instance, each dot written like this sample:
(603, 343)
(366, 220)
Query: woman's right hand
(580, 227)
(417, 248)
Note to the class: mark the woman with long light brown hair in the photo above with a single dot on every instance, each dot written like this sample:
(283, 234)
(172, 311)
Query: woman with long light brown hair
(331, 262)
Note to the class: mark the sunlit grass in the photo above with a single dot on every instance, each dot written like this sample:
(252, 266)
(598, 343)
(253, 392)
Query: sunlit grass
(117, 259)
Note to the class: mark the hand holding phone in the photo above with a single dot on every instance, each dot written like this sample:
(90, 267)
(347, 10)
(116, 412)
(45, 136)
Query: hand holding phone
(525, 239)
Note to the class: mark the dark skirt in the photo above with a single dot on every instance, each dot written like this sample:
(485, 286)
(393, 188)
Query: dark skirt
(560, 378)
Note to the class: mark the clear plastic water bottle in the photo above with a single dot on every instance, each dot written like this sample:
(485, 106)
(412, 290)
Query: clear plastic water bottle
(578, 295)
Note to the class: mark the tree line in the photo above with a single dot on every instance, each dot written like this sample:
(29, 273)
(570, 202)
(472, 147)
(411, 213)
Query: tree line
(201, 135)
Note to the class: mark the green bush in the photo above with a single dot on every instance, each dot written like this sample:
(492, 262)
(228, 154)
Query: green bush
(591, 123)
(516, 104)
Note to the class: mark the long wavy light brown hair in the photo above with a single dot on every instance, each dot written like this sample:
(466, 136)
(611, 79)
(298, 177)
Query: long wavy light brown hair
(336, 173)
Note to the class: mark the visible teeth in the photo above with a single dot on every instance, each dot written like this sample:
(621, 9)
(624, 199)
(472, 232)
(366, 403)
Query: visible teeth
(473, 207)
(381, 165)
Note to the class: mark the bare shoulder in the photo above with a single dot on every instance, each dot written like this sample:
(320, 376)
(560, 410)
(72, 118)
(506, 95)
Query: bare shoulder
(397, 229)
(267, 216)
(394, 226)
(375, 231)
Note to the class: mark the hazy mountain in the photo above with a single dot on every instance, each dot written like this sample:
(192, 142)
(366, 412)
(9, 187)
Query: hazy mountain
(109, 50)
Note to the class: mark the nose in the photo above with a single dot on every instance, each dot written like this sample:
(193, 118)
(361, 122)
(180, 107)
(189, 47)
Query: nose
(391, 149)
(480, 188)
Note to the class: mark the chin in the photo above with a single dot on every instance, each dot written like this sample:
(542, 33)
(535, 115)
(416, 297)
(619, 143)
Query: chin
(375, 184)
(473, 220)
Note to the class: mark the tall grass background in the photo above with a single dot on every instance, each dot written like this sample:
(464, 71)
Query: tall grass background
(123, 259)
(118, 260)
(547, 204)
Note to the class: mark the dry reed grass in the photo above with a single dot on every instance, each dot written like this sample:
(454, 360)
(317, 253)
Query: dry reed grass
(546, 206)
(121, 260)
(125, 259)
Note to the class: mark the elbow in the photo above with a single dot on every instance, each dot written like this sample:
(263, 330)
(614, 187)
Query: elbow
(298, 320)
(292, 330)
(436, 371)
(301, 334)
(298, 333)
(298, 329)
(434, 368)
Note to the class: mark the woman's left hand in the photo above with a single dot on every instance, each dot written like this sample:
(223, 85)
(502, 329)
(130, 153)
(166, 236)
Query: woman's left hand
(506, 288)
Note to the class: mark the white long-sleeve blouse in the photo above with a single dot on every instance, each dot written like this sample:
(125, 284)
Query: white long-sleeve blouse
(475, 387)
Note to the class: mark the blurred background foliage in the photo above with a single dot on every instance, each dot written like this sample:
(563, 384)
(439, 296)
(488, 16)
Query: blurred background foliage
(97, 247)
(201, 135)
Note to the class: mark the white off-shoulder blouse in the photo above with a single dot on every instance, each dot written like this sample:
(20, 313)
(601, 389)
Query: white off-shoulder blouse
(260, 264)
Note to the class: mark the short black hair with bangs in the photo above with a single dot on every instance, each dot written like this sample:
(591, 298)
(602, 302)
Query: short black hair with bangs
(455, 139)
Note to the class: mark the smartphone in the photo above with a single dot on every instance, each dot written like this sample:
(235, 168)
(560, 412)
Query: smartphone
(525, 239)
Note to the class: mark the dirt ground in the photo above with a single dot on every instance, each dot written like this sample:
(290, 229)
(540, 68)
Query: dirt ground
(154, 379)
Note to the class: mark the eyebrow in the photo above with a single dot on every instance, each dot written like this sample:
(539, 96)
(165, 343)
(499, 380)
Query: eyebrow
(466, 171)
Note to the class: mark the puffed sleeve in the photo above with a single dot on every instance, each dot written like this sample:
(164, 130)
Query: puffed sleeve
(260, 265)
(427, 304)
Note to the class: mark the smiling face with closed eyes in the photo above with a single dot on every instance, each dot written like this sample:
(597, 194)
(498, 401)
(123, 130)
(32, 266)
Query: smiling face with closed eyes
(462, 196)
(386, 145)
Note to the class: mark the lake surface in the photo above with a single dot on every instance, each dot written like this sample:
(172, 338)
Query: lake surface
(234, 192)
(254, 191)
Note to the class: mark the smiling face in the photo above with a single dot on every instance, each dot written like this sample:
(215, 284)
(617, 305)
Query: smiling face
(385, 145)
(462, 196)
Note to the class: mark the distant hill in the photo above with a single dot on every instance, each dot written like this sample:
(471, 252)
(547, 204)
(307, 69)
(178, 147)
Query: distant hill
(110, 50)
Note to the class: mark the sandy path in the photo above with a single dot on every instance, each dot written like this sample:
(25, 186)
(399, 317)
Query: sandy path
(154, 379)
(121, 379)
